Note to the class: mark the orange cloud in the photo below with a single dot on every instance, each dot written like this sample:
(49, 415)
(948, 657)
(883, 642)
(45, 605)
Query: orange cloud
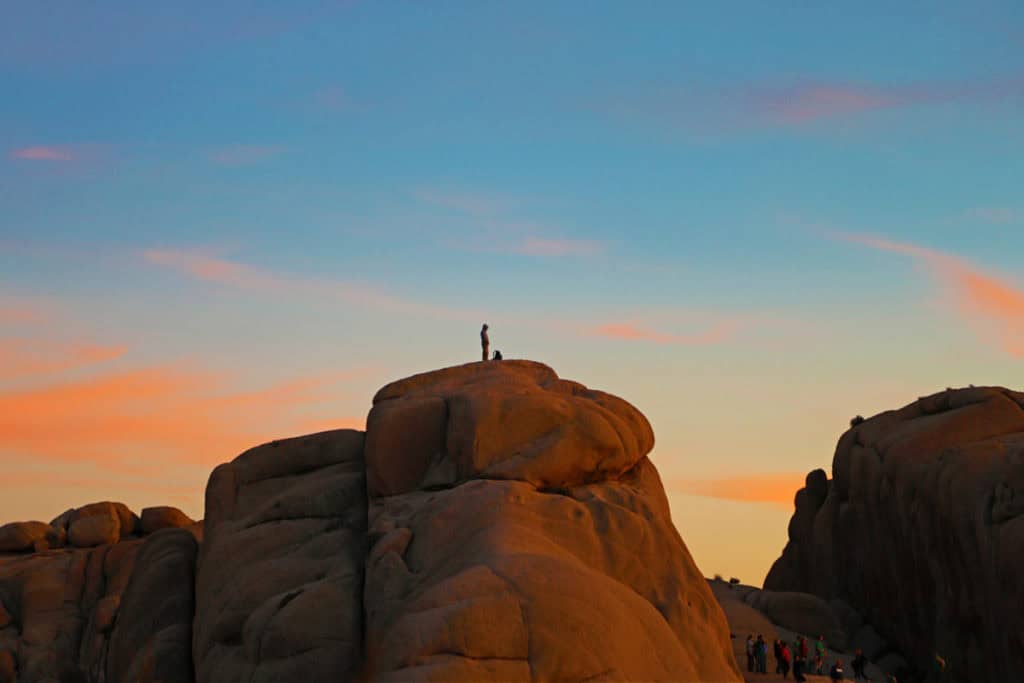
(24, 357)
(153, 414)
(205, 266)
(43, 154)
(774, 488)
(992, 304)
(11, 315)
(714, 335)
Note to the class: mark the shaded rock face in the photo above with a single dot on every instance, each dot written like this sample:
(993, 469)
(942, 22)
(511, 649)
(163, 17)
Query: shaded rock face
(280, 578)
(921, 531)
(62, 607)
(152, 642)
(64, 611)
(494, 523)
(519, 532)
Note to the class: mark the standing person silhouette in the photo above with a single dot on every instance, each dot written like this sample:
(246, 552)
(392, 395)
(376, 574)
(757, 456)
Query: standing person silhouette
(485, 341)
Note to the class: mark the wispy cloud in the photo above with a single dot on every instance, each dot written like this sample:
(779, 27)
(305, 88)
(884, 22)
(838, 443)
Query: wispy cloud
(541, 246)
(777, 489)
(801, 104)
(992, 304)
(207, 266)
(795, 104)
(12, 313)
(69, 401)
(996, 214)
(503, 232)
(333, 98)
(184, 414)
(477, 204)
(31, 357)
(715, 334)
(43, 153)
(243, 155)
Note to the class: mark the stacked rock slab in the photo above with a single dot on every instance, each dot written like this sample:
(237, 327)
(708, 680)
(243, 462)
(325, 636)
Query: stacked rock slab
(921, 530)
(518, 532)
(280, 577)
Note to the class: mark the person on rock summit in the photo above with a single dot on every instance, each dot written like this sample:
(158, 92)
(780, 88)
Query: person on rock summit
(485, 341)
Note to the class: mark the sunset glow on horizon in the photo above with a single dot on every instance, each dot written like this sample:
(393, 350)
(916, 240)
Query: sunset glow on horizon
(232, 226)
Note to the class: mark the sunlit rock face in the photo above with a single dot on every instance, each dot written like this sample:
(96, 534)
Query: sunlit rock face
(518, 531)
(921, 530)
(494, 523)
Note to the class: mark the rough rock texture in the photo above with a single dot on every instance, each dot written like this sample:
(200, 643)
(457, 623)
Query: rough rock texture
(921, 530)
(163, 517)
(280, 578)
(519, 532)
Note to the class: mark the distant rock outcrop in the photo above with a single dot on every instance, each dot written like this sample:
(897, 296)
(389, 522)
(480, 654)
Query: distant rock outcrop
(494, 523)
(921, 531)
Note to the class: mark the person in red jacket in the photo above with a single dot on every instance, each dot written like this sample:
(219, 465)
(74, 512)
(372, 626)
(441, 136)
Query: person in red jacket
(785, 658)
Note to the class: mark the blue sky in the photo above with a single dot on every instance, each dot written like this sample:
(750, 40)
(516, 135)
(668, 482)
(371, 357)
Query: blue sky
(694, 206)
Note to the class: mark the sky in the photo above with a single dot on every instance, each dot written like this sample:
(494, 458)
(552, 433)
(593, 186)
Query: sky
(225, 224)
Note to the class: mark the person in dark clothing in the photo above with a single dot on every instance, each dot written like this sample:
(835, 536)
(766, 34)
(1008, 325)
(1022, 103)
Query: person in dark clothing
(751, 657)
(858, 664)
(497, 355)
(836, 673)
(799, 666)
(485, 341)
(786, 657)
(777, 647)
(761, 650)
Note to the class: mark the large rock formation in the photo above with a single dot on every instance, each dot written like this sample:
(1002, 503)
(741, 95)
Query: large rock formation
(494, 523)
(280, 583)
(921, 530)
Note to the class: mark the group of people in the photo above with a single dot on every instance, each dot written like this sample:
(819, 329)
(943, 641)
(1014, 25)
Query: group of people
(799, 659)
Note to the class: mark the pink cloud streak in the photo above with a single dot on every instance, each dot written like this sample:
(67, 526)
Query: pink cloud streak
(539, 246)
(806, 103)
(43, 154)
(207, 267)
(991, 304)
(27, 357)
